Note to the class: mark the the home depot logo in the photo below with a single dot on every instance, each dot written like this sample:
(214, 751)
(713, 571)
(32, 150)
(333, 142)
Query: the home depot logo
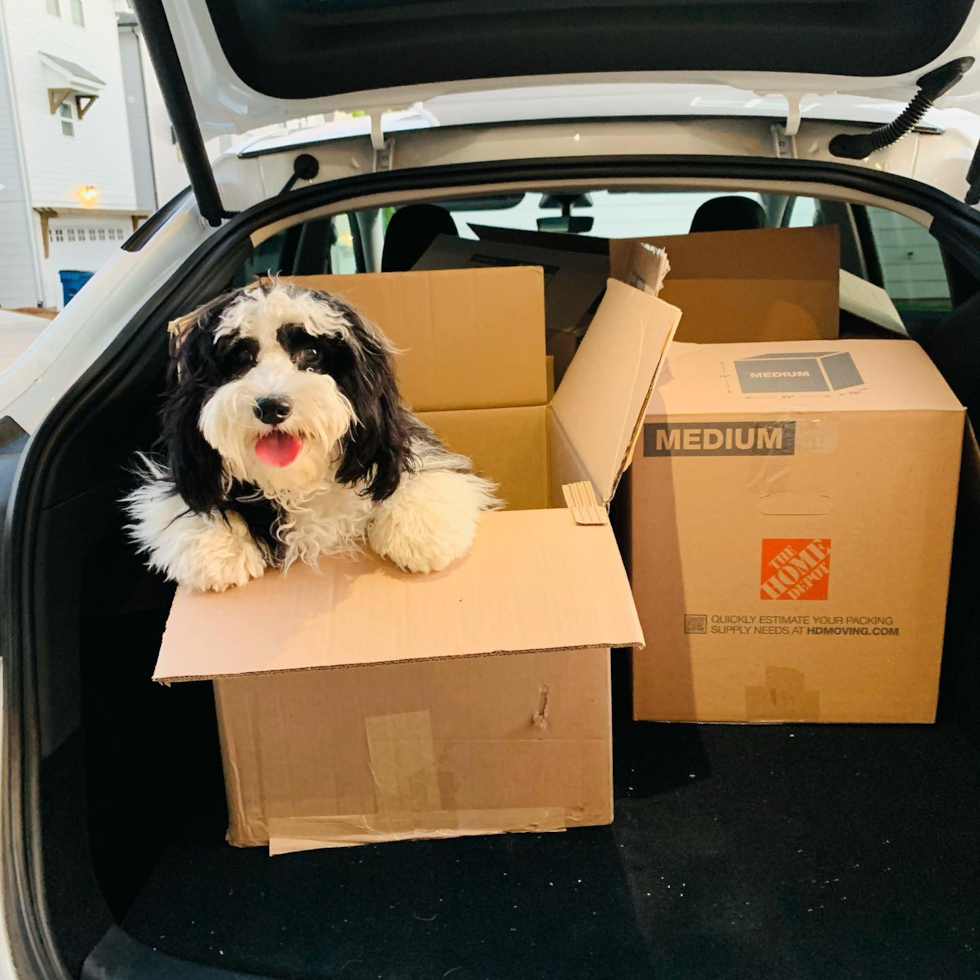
(795, 568)
(719, 438)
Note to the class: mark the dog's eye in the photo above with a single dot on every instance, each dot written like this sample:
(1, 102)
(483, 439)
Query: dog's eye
(244, 356)
(309, 355)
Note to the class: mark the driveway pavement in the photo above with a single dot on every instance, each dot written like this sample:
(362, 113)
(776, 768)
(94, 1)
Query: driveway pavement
(17, 332)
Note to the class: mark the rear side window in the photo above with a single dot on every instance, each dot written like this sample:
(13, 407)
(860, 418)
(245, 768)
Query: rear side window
(911, 263)
(312, 248)
(894, 252)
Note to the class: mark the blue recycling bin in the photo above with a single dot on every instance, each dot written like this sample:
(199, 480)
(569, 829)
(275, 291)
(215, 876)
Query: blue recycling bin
(71, 282)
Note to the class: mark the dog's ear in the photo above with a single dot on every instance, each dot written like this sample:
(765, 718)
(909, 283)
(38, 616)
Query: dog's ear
(195, 466)
(376, 450)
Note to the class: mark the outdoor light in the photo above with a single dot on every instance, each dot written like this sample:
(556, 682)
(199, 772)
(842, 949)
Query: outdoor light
(89, 193)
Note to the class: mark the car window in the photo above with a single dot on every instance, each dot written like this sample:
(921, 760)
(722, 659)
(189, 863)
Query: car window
(321, 246)
(912, 268)
(615, 214)
(907, 260)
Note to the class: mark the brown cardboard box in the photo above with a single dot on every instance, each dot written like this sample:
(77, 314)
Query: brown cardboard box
(792, 520)
(573, 283)
(733, 286)
(360, 703)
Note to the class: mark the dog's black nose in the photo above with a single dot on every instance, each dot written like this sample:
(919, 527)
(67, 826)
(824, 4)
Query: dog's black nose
(272, 411)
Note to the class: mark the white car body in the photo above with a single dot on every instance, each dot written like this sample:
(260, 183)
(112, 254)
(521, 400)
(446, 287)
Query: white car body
(762, 116)
(467, 129)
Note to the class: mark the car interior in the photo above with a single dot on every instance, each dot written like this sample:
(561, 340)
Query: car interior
(736, 850)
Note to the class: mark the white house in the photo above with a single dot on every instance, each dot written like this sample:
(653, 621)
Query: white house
(68, 196)
(158, 169)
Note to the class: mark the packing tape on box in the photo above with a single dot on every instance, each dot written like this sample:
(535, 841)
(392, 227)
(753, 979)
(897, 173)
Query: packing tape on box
(784, 697)
(402, 757)
(287, 835)
(414, 800)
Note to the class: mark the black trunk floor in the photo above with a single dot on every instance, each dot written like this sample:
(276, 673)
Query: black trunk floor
(737, 852)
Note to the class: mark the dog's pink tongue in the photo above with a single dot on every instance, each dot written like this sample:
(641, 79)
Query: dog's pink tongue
(278, 448)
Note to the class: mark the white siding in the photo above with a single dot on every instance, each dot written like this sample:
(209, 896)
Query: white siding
(169, 171)
(139, 133)
(99, 153)
(17, 269)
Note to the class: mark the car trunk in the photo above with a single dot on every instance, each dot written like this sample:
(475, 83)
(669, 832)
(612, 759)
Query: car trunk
(784, 850)
(802, 851)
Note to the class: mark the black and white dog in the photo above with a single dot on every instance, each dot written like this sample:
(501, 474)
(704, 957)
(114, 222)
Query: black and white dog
(284, 438)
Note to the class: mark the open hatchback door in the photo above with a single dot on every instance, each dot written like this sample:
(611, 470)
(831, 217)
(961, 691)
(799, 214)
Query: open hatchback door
(229, 66)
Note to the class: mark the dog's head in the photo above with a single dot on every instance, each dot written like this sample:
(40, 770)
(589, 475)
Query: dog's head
(284, 388)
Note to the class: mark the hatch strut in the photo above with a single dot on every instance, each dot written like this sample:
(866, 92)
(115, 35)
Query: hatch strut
(163, 54)
(932, 86)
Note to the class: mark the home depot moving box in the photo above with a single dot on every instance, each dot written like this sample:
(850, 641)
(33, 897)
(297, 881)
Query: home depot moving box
(359, 703)
(733, 286)
(792, 521)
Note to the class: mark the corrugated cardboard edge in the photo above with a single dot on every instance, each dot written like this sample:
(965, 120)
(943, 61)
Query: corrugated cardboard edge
(584, 505)
(598, 645)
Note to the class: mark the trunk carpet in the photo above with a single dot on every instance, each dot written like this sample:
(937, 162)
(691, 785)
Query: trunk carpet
(784, 851)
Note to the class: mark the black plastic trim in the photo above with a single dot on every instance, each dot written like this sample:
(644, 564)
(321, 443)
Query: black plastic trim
(298, 49)
(869, 247)
(213, 263)
(155, 222)
(180, 108)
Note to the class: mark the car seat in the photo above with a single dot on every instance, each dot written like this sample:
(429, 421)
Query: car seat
(411, 230)
(729, 214)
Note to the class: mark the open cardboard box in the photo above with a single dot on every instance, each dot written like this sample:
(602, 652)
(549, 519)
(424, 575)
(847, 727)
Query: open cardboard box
(761, 284)
(573, 283)
(359, 703)
(777, 259)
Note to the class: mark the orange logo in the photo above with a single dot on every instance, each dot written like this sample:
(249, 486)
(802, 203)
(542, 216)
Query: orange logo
(795, 568)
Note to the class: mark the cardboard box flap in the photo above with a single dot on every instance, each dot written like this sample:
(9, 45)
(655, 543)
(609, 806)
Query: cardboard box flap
(535, 580)
(467, 338)
(602, 398)
(561, 240)
(794, 254)
(870, 302)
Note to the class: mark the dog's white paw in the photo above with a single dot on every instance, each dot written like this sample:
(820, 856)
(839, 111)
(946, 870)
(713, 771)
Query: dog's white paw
(197, 550)
(430, 520)
(223, 557)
